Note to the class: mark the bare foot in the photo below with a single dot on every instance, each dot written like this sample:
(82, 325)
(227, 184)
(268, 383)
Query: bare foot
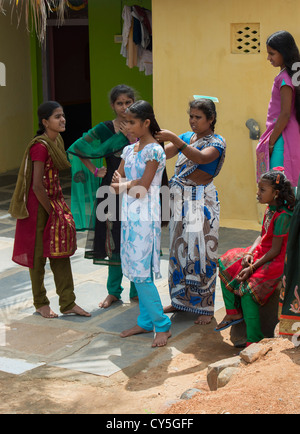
(134, 331)
(136, 298)
(108, 301)
(46, 312)
(77, 310)
(170, 309)
(204, 319)
(161, 339)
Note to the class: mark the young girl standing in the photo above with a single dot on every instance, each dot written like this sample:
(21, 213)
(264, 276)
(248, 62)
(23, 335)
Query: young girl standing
(139, 177)
(280, 143)
(107, 139)
(45, 226)
(250, 276)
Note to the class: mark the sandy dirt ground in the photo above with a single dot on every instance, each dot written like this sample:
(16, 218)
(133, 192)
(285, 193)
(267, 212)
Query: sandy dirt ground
(269, 385)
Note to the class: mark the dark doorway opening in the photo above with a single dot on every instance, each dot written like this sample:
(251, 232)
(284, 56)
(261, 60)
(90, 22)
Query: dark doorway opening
(68, 81)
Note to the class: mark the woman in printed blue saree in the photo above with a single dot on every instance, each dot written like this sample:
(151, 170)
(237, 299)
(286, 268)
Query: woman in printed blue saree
(194, 223)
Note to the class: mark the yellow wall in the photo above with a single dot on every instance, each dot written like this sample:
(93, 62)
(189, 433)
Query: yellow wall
(16, 121)
(192, 55)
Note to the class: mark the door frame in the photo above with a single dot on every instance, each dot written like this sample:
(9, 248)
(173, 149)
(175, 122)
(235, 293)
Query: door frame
(48, 78)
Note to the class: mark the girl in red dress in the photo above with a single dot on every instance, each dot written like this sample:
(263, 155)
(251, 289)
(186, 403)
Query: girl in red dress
(250, 276)
(45, 227)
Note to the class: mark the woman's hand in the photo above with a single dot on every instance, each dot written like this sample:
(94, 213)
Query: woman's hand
(123, 128)
(101, 172)
(116, 177)
(271, 145)
(165, 136)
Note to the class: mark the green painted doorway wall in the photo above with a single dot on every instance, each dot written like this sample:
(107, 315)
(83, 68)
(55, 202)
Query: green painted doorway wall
(107, 66)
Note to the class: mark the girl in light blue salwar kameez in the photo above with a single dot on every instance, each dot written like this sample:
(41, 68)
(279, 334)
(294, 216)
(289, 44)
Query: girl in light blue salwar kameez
(139, 178)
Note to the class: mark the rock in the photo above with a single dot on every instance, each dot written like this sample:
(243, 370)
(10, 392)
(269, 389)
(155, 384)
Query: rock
(254, 352)
(225, 376)
(189, 393)
(214, 370)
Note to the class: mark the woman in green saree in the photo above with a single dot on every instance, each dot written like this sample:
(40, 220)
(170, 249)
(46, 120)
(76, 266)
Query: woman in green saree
(105, 140)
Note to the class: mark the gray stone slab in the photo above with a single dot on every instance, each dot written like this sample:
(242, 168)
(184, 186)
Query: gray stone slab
(81, 265)
(8, 179)
(230, 238)
(16, 288)
(106, 355)
(16, 366)
(88, 295)
(5, 195)
(6, 262)
(181, 321)
(6, 226)
(4, 205)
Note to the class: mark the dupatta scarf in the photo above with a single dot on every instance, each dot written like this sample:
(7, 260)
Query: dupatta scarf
(18, 206)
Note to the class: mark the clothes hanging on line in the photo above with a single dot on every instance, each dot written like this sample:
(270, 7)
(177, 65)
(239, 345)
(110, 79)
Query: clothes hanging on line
(137, 38)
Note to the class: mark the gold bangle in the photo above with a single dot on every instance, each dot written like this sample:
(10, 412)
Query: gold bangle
(248, 253)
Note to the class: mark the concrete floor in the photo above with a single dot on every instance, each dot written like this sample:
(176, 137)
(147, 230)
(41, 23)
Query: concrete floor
(90, 345)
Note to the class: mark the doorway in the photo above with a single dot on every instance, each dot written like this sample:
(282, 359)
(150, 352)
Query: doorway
(66, 74)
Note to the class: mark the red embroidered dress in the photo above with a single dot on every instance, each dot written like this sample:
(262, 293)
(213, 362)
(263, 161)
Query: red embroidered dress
(59, 233)
(265, 279)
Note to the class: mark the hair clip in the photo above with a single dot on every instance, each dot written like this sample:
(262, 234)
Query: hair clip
(278, 179)
(212, 98)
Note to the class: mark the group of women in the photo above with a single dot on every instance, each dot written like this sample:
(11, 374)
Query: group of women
(127, 156)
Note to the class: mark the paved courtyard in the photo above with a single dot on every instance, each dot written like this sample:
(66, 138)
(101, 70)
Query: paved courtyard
(89, 345)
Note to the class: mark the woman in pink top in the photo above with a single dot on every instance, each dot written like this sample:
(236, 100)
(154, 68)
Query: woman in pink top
(280, 143)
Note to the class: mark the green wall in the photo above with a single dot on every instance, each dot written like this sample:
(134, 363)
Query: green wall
(36, 77)
(107, 66)
(16, 117)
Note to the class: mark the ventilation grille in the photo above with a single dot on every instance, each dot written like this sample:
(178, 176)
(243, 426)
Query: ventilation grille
(245, 38)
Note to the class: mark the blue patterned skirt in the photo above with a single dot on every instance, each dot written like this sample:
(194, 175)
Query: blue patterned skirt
(194, 232)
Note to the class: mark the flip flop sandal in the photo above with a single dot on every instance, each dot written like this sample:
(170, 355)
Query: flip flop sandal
(228, 324)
